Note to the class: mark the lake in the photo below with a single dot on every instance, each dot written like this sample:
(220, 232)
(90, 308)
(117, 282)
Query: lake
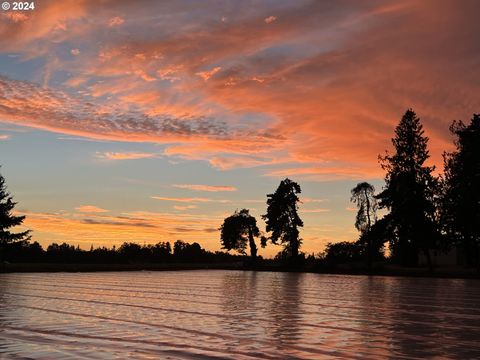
(213, 314)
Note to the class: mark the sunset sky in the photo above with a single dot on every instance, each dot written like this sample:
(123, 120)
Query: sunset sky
(152, 120)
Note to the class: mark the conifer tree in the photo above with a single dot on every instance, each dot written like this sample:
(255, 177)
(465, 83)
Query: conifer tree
(409, 193)
(460, 202)
(8, 220)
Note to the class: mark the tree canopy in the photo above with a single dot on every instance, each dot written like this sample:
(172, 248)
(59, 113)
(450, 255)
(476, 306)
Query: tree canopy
(282, 217)
(8, 220)
(363, 195)
(460, 213)
(239, 229)
(409, 192)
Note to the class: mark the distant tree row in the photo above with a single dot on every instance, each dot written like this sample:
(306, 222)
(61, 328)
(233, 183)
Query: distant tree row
(128, 252)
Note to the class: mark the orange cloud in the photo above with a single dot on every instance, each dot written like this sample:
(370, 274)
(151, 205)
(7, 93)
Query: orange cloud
(208, 188)
(4, 137)
(186, 207)
(205, 75)
(326, 173)
(116, 21)
(190, 199)
(90, 209)
(331, 81)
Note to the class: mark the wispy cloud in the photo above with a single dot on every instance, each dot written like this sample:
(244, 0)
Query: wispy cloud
(319, 210)
(311, 200)
(90, 209)
(4, 137)
(186, 207)
(189, 199)
(124, 155)
(207, 188)
(301, 67)
(205, 75)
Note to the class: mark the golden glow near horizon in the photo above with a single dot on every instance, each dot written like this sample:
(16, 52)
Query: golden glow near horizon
(152, 122)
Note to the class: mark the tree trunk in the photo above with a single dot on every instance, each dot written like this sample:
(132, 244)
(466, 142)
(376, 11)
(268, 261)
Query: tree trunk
(253, 246)
(369, 240)
(294, 245)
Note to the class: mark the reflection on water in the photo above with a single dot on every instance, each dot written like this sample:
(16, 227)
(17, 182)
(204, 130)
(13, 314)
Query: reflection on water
(236, 315)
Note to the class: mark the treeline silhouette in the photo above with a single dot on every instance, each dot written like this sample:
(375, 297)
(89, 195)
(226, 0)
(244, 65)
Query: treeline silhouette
(127, 253)
(424, 214)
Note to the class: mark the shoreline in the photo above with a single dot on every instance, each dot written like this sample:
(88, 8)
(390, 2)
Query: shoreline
(390, 270)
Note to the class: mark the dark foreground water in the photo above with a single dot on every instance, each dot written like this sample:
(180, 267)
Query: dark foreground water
(236, 315)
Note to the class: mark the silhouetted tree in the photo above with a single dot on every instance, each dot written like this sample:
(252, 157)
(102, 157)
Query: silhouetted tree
(188, 252)
(363, 195)
(237, 230)
(460, 212)
(63, 253)
(8, 220)
(160, 251)
(343, 252)
(282, 217)
(131, 251)
(409, 193)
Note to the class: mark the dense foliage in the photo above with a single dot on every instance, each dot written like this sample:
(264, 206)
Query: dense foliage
(460, 202)
(8, 220)
(239, 229)
(409, 192)
(282, 217)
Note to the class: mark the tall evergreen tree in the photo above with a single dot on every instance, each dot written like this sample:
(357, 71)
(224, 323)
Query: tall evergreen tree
(237, 230)
(460, 213)
(409, 193)
(282, 217)
(8, 220)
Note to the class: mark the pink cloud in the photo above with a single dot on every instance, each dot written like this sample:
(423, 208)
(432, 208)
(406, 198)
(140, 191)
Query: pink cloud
(205, 75)
(208, 188)
(270, 19)
(189, 199)
(333, 102)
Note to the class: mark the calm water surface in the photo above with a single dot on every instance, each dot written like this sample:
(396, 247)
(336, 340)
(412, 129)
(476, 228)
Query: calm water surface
(236, 315)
